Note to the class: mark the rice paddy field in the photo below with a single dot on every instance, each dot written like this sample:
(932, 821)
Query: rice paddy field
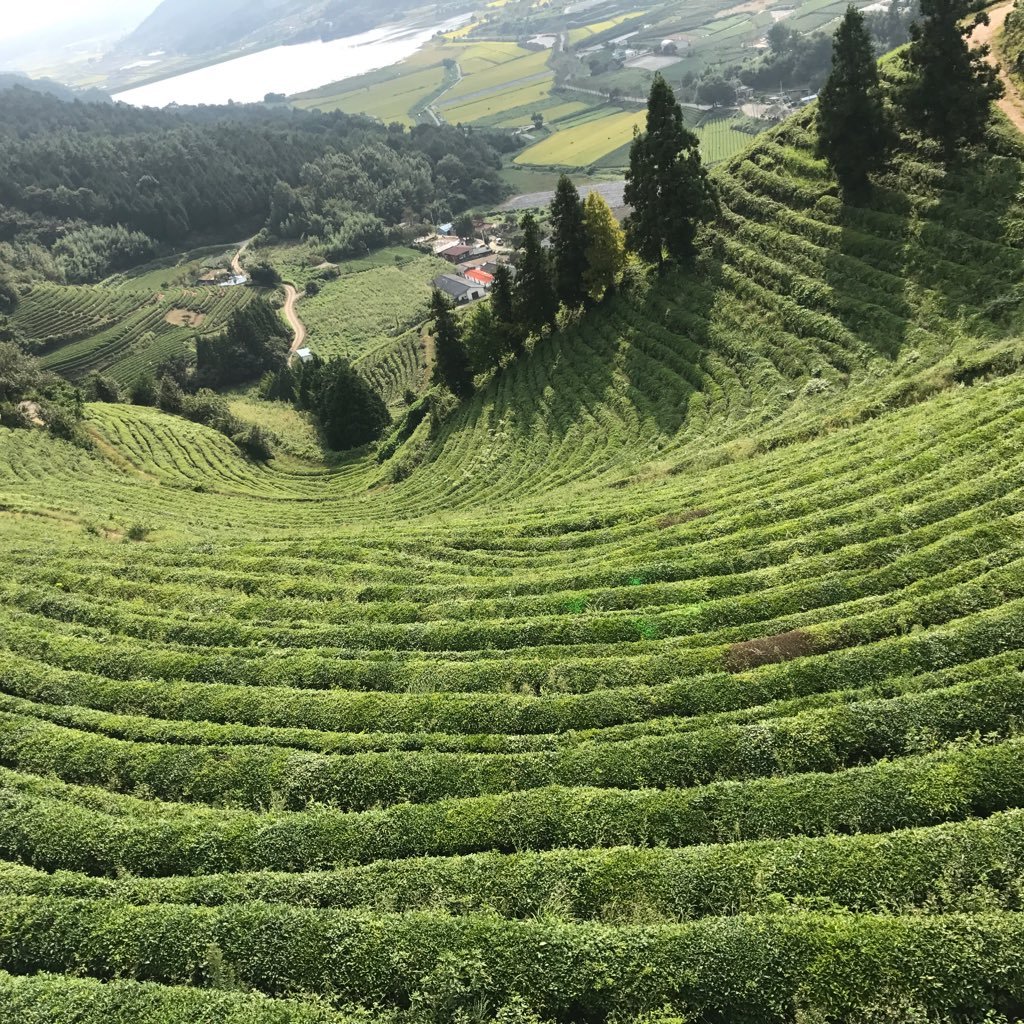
(678, 677)
(601, 137)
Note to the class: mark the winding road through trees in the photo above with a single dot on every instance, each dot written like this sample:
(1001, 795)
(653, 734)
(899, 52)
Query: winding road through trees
(291, 297)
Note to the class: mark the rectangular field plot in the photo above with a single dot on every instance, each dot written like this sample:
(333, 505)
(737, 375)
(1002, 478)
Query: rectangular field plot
(586, 143)
(579, 35)
(720, 140)
(498, 75)
(386, 100)
(522, 99)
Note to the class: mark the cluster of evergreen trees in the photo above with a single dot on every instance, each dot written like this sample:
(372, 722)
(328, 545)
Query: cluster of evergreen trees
(944, 93)
(671, 195)
(348, 410)
(254, 341)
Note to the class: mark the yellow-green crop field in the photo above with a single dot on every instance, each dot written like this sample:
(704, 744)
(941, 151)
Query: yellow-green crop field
(389, 101)
(495, 104)
(586, 143)
(552, 109)
(477, 77)
(578, 35)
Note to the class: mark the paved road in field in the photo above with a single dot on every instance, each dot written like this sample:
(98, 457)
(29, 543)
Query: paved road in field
(611, 190)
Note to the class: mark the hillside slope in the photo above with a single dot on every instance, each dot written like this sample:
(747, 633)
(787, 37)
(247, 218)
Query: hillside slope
(679, 673)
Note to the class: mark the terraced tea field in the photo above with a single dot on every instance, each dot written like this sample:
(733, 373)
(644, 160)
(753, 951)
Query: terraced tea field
(678, 678)
(119, 329)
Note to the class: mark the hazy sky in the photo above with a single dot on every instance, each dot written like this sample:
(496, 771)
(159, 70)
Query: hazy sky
(24, 16)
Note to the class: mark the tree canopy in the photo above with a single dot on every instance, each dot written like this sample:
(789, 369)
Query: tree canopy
(568, 244)
(852, 131)
(948, 92)
(605, 250)
(666, 184)
(451, 364)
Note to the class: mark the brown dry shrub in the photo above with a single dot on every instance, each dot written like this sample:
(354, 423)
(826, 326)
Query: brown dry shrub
(768, 650)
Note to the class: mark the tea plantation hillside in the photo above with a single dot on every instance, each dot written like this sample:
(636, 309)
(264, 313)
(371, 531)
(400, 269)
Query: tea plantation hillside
(676, 677)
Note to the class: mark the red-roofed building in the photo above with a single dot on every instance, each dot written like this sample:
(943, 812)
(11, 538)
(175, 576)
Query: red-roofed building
(479, 276)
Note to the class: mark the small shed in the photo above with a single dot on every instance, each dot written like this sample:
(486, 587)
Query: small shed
(304, 354)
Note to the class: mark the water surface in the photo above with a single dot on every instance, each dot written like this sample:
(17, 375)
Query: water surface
(287, 69)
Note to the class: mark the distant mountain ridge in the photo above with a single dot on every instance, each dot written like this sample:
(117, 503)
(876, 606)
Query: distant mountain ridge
(47, 85)
(197, 27)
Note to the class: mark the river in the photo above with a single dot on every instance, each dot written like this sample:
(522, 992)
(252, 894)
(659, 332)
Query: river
(287, 69)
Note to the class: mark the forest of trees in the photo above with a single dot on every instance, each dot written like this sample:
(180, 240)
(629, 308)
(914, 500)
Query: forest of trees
(349, 200)
(207, 173)
(945, 93)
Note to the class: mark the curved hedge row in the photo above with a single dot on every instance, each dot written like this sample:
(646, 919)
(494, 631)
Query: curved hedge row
(742, 968)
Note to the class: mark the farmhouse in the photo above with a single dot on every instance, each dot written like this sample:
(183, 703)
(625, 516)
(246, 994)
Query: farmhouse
(459, 288)
(456, 253)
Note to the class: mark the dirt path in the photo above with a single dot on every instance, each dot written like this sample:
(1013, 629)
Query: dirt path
(431, 107)
(236, 263)
(291, 296)
(1012, 104)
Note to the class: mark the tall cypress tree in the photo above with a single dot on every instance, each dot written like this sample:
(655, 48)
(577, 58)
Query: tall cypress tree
(950, 87)
(853, 135)
(501, 295)
(535, 301)
(451, 364)
(508, 335)
(666, 184)
(606, 247)
(568, 242)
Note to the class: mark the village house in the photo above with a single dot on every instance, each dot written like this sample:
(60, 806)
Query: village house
(456, 253)
(458, 288)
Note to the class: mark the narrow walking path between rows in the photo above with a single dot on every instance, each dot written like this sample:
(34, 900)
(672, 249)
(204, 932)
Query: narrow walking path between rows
(1012, 103)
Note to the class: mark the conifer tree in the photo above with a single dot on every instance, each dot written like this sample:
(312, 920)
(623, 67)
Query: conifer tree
(451, 364)
(535, 303)
(568, 242)
(853, 135)
(501, 295)
(605, 247)
(950, 87)
(666, 184)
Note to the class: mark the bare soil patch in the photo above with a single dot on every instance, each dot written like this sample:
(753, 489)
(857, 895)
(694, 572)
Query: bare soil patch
(1012, 103)
(769, 650)
(184, 317)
